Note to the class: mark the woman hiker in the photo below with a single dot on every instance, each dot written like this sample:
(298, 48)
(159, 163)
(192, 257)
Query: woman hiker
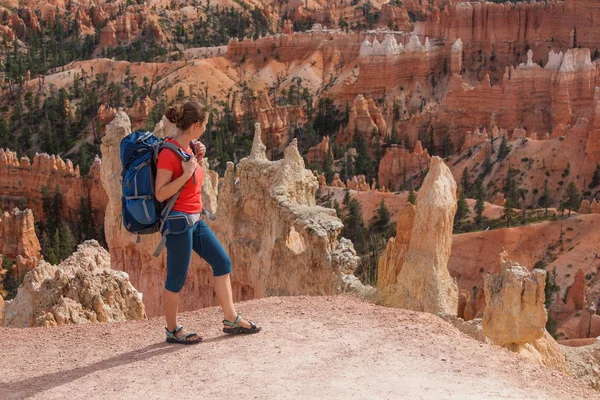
(186, 230)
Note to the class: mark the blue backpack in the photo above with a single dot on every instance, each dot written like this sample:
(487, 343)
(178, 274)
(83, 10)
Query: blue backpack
(141, 212)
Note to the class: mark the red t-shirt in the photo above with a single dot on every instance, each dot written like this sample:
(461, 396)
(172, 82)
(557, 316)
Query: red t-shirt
(190, 198)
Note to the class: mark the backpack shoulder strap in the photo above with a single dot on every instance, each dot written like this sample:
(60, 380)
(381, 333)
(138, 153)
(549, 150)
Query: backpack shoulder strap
(175, 149)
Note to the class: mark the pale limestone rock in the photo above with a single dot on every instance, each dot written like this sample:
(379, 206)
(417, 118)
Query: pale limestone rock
(554, 60)
(414, 45)
(82, 289)
(577, 60)
(344, 257)
(530, 64)
(514, 314)
(424, 283)
(471, 328)
(351, 284)
(457, 46)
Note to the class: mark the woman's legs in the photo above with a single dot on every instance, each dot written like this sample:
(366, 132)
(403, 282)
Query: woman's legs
(171, 304)
(225, 296)
(207, 246)
(179, 255)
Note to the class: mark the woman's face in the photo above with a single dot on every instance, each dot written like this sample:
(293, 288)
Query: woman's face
(199, 128)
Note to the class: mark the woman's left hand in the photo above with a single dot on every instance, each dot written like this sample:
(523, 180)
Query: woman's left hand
(199, 149)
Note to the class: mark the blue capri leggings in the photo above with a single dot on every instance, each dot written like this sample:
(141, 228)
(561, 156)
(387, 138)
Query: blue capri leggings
(199, 238)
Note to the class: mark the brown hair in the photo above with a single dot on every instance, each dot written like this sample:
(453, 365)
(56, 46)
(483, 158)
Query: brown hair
(187, 114)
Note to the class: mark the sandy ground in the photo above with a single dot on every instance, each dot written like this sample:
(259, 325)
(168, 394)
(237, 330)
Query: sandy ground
(310, 348)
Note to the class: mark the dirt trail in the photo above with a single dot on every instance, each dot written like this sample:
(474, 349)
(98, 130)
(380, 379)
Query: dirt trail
(311, 348)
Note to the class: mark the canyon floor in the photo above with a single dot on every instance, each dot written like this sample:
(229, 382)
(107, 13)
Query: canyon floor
(310, 348)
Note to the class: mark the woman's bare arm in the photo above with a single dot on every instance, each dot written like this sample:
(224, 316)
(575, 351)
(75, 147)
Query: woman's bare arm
(165, 188)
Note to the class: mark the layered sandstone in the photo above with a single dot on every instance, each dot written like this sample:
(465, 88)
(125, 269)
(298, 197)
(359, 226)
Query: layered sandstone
(318, 153)
(502, 33)
(576, 295)
(424, 283)
(277, 122)
(82, 289)
(539, 100)
(398, 165)
(515, 316)
(337, 182)
(514, 312)
(108, 35)
(18, 241)
(358, 183)
(21, 183)
(365, 120)
(279, 241)
(392, 260)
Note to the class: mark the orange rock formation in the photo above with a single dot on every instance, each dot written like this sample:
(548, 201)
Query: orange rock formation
(18, 241)
(21, 182)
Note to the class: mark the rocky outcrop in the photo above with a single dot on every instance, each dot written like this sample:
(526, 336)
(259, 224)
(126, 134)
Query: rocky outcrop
(365, 120)
(424, 283)
(82, 289)
(318, 153)
(398, 165)
(154, 30)
(392, 260)
(269, 222)
(279, 241)
(585, 208)
(139, 112)
(514, 314)
(288, 27)
(277, 122)
(576, 294)
(508, 30)
(21, 184)
(108, 35)
(337, 182)
(475, 139)
(358, 183)
(539, 100)
(18, 241)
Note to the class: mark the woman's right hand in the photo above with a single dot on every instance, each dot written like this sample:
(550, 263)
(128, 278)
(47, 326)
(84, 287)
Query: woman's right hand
(189, 166)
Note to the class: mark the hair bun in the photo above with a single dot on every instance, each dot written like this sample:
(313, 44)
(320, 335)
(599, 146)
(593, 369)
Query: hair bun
(174, 115)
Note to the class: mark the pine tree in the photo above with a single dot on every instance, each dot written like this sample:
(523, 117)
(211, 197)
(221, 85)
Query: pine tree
(412, 198)
(487, 164)
(394, 135)
(480, 204)
(573, 200)
(595, 178)
(336, 207)
(464, 181)
(545, 201)
(48, 249)
(462, 210)
(381, 222)
(56, 246)
(328, 168)
(504, 149)
(363, 161)
(346, 199)
(511, 196)
(67, 242)
(354, 226)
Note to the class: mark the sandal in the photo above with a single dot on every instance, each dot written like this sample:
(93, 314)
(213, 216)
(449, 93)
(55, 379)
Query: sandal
(172, 336)
(237, 329)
